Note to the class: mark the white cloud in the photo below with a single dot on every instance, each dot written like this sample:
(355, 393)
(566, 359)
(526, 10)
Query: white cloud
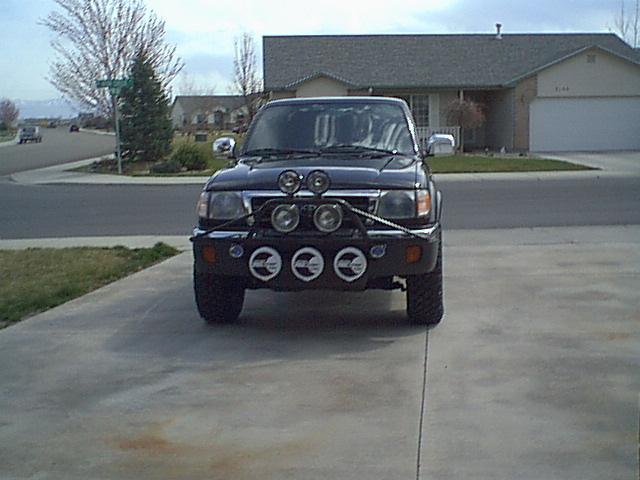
(204, 31)
(287, 17)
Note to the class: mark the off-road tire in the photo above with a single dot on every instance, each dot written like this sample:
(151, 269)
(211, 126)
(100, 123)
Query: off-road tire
(425, 304)
(219, 299)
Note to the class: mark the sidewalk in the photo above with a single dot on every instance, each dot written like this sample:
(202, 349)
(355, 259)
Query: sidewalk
(61, 174)
(609, 164)
(131, 241)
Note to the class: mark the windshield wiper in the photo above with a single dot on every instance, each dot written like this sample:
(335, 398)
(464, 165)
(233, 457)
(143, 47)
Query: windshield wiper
(358, 149)
(266, 152)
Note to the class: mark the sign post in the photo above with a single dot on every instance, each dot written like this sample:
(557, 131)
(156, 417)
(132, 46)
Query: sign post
(115, 87)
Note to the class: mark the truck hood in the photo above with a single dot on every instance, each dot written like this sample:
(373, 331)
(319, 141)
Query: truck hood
(392, 172)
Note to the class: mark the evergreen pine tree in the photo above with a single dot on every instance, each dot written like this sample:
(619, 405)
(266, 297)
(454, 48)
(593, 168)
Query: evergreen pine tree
(145, 126)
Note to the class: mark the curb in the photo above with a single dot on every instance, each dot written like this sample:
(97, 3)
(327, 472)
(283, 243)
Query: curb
(181, 242)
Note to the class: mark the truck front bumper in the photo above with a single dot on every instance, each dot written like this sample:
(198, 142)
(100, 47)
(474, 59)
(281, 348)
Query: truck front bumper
(326, 262)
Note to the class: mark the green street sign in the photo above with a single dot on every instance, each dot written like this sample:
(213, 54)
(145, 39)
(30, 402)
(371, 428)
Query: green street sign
(118, 83)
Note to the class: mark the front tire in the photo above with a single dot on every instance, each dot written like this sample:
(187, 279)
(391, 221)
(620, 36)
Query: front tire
(425, 303)
(219, 299)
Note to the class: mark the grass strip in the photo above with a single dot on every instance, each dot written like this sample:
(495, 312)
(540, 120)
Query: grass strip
(37, 279)
(488, 164)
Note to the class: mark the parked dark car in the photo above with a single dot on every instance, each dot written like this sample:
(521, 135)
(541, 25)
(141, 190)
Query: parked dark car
(325, 193)
(74, 128)
(29, 134)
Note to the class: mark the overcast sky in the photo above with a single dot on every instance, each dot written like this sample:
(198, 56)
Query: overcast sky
(203, 30)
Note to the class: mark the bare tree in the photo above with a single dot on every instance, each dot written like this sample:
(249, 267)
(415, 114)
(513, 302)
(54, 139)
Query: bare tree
(99, 39)
(627, 24)
(246, 80)
(189, 86)
(465, 114)
(8, 113)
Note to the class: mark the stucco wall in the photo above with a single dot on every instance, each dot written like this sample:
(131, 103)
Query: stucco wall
(524, 93)
(593, 73)
(321, 87)
(177, 115)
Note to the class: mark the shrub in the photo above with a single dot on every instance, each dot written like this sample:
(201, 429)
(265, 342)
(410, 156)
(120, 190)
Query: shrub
(171, 166)
(190, 156)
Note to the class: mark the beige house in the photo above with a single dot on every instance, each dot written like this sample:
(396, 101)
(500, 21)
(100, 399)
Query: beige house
(539, 92)
(208, 112)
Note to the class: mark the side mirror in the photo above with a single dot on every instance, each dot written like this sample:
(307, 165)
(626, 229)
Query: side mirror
(224, 145)
(441, 145)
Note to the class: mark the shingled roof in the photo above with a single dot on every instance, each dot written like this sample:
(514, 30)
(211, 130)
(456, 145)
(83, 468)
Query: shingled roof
(418, 61)
(192, 103)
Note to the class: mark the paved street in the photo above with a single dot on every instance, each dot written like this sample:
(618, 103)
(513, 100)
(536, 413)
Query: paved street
(58, 146)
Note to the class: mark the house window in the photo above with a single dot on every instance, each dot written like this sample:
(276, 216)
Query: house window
(419, 105)
(201, 118)
(591, 58)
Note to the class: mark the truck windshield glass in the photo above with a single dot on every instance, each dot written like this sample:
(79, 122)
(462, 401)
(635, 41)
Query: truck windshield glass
(320, 127)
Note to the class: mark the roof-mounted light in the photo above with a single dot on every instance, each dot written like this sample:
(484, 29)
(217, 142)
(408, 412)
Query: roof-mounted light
(318, 182)
(289, 182)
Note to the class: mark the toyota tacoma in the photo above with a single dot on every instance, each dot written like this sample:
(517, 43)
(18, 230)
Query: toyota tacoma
(324, 193)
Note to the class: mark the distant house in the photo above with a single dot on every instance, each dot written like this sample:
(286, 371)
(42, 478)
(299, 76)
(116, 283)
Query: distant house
(539, 92)
(208, 112)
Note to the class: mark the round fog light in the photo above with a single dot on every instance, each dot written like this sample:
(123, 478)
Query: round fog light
(289, 182)
(285, 218)
(236, 251)
(378, 251)
(328, 218)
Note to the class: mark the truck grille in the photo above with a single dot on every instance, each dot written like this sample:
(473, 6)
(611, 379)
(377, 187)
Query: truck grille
(366, 202)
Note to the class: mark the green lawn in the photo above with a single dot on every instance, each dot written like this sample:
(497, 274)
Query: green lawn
(485, 164)
(37, 279)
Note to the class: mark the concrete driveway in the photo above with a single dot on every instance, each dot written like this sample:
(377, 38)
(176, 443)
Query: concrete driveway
(620, 163)
(532, 374)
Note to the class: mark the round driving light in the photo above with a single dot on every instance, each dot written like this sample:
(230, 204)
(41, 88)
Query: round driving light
(265, 263)
(285, 218)
(307, 264)
(328, 218)
(289, 182)
(236, 251)
(318, 182)
(350, 264)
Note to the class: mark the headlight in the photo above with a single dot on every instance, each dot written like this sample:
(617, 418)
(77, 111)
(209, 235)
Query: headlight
(404, 203)
(221, 205)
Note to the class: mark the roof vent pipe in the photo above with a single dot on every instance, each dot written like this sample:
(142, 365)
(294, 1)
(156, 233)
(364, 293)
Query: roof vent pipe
(498, 31)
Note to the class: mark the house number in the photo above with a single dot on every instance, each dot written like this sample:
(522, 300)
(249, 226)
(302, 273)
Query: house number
(562, 88)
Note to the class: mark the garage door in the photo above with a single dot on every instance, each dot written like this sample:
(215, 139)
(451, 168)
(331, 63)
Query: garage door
(585, 124)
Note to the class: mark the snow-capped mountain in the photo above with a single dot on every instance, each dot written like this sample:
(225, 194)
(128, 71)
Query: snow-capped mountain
(52, 108)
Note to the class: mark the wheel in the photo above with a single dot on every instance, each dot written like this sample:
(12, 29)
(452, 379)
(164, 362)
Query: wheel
(219, 299)
(425, 304)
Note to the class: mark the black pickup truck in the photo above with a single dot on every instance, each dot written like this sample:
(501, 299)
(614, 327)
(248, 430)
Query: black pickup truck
(324, 193)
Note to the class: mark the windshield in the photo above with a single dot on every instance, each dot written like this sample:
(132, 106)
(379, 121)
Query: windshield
(330, 127)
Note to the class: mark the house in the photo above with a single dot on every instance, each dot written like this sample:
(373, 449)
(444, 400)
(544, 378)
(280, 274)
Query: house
(539, 92)
(208, 112)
